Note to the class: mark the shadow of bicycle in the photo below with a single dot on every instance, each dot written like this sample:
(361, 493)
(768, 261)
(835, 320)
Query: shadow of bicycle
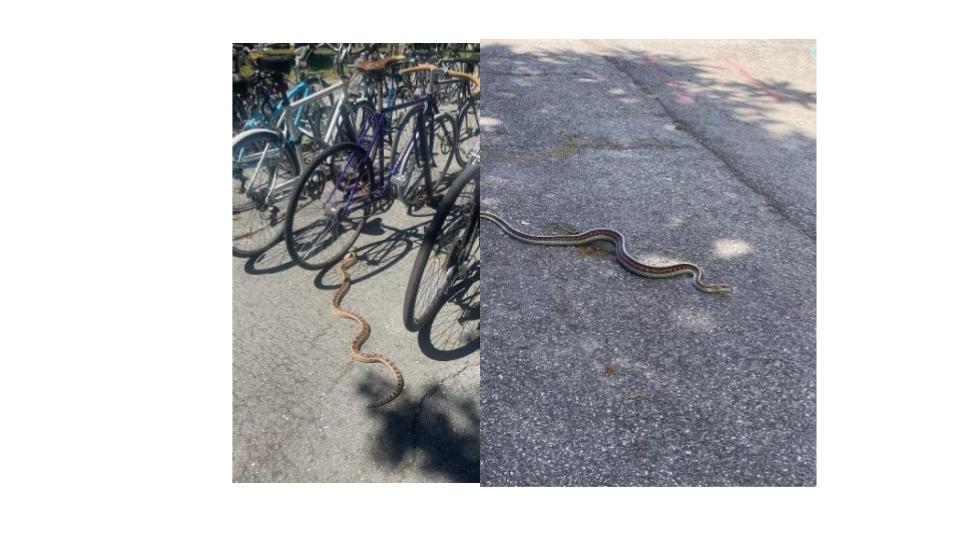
(274, 259)
(437, 434)
(376, 256)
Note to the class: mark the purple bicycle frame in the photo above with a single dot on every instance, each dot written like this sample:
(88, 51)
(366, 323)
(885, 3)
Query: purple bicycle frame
(373, 145)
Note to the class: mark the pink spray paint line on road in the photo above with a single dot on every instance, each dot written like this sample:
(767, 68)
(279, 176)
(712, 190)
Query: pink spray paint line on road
(747, 75)
(682, 97)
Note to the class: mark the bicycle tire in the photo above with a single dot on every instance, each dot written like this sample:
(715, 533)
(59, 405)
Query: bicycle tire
(413, 318)
(313, 187)
(248, 205)
(468, 130)
(443, 143)
(411, 157)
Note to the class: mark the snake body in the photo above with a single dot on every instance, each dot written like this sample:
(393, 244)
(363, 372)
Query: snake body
(349, 260)
(623, 257)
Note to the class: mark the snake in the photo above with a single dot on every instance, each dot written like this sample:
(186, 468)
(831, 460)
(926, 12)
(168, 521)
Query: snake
(349, 260)
(623, 257)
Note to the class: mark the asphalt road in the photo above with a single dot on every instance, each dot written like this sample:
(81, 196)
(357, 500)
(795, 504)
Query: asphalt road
(300, 401)
(696, 151)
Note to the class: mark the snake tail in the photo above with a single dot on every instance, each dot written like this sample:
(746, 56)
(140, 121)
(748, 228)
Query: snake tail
(349, 260)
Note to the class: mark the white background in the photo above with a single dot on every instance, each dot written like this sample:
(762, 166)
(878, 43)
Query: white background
(115, 393)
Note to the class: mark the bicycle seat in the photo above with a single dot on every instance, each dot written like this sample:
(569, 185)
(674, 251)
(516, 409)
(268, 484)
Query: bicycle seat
(377, 66)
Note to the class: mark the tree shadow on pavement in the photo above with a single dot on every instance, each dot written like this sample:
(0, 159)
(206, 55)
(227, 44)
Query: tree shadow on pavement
(720, 167)
(274, 259)
(439, 434)
(697, 93)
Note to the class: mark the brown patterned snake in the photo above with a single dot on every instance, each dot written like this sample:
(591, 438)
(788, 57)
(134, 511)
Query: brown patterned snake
(349, 260)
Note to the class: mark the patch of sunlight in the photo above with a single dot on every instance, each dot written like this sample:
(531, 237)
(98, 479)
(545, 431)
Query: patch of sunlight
(616, 91)
(675, 222)
(654, 259)
(489, 121)
(728, 249)
(696, 320)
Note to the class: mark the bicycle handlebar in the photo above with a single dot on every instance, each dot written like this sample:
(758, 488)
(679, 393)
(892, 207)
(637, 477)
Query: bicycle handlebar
(449, 72)
(467, 77)
(421, 67)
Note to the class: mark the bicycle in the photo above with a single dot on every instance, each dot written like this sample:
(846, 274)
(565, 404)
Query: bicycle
(346, 183)
(258, 98)
(349, 53)
(267, 163)
(468, 117)
(463, 93)
(444, 140)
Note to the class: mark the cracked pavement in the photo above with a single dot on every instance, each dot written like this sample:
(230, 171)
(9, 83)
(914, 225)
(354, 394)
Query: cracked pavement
(300, 400)
(700, 151)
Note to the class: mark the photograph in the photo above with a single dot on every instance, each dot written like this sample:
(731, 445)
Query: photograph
(649, 234)
(356, 262)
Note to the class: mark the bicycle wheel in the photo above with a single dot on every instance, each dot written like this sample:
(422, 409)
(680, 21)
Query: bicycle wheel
(444, 154)
(405, 93)
(358, 114)
(410, 173)
(450, 251)
(406, 161)
(329, 206)
(263, 166)
(468, 132)
(414, 83)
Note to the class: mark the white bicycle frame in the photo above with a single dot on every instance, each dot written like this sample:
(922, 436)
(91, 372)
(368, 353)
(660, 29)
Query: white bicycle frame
(285, 126)
(285, 123)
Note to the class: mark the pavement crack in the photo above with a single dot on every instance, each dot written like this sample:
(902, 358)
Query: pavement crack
(414, 435)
